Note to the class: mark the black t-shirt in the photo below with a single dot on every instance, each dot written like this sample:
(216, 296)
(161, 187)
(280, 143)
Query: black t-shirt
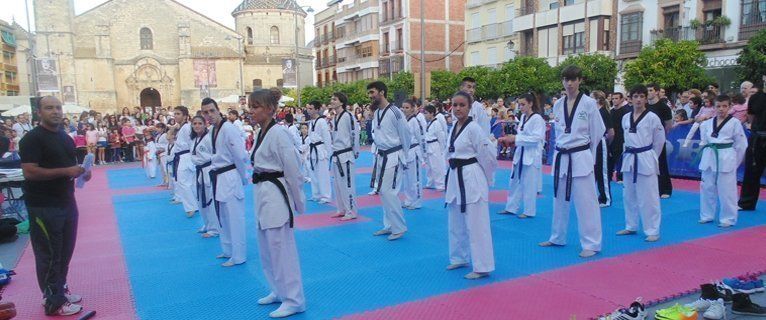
(5, 144)
(49, 150)
(605, 117)
(662, 110)
(617, 115)
(756, 106)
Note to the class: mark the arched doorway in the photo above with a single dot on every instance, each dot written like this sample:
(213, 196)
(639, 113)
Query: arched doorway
(150, 97)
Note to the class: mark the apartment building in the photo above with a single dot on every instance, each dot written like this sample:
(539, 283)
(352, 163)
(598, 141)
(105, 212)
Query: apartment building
(358, 40)
(490, 39)
(555, 29)
(9, 70)
(324, 45)
(722, 28)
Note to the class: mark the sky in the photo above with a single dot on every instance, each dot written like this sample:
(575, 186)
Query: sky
(219, 10)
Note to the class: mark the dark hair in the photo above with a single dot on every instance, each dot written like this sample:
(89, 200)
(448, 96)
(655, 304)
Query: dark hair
(639, 89)
(184, 110)
(316, 104)
(380, 86)
(738, 98)
(194, 133)
(208, 101)
(464, 95)
(467, 79)
(289, 118)
(715, 85)
(571, 72)
(234, 112)
(682, 113)
(430, 109)
(531, 98)
(342, 98)
(619, 93)
(722, 98)
(266, 97)
(410, 102)
(696, 101)
(654, 86)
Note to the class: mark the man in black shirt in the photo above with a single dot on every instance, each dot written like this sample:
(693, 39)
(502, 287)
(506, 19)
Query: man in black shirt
(620, 108)
(49, 164)
(661, 109)
(600, 170)
(755, 158)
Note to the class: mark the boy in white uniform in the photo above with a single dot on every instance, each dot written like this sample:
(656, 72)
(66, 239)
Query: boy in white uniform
(391, 138)
(644, 138)
(579, 129)
(345, 146)
(202, 159)
(320, 149)
(150, 154)
(436, 137)
(183, 168)
(724, 149)
(412, 189)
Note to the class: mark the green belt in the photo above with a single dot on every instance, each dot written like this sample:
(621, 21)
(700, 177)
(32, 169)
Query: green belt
(715, 147)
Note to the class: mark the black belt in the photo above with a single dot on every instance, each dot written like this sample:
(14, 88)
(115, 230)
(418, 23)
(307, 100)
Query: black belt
(520, 165)
(273, 177)
(176, 161)
(384, 154)
(313, 149)
(414, 145)
(201, 184)
(214, 173)
(459, 164)
(557, 166)
(337, 159)
(634, 152)
(432, 141)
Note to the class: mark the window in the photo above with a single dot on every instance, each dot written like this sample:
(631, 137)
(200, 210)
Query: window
(475, 20)
(631, 27)
(146, 39)
(274, 35)
(569, 2)
(753, 12)
(257, 84)
(399, 39)
(475, 58)
(386, 43)
(280, 83)
(363, 52)
(491, 55)
(553, 5)
(249, 36)
(574, 43)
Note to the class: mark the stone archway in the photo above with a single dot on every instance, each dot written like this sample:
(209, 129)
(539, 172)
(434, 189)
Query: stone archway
(150, 97)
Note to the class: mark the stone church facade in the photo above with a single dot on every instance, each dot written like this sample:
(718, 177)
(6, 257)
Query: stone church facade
(126, 53)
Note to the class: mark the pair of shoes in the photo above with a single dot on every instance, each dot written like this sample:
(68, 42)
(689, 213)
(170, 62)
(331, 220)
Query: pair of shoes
(395, 236)
(284, 312)
(652, 238)
(712, 292)
(625, 232)
(713, 309)
(741, 286)
(524, 216)
(636, 311)
(676, 312)
(337, 215)
(231, 263)
(704, 221)
(476, 275)
(664, 196)
(271, 298)
(756, 282)
(454, 266)
(742, 305)
(587, 253)
(71, 298)
(506, 212)
(549, 244)
(381, 232)
(66, 309)
(348, 217)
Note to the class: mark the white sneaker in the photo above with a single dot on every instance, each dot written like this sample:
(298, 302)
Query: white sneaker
(372, 193)
(701, 305)
(716, 311)
(71, 298)
(68, 309)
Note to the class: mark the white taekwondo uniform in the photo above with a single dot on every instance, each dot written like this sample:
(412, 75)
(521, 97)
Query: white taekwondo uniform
(202, 156)
(527, 164)
(320, 149)
(391, 138)
(412, 189)
(150, 157)
(436, 140)
(184, 169)
(345, 146)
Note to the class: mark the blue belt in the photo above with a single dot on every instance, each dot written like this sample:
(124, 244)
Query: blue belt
(634, 151)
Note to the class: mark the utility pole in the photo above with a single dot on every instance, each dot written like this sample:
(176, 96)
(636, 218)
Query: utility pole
(32, 53)
(422, 52)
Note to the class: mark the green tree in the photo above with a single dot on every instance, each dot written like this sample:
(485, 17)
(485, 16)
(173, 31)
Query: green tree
(403, 82)
(312, 93)
(527, 74)
(599, 71)
(672, 65)
(487, 86)
(443, 84)
(752, 60)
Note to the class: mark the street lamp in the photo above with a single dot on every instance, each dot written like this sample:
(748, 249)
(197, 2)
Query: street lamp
(239, 51)
(308, 9)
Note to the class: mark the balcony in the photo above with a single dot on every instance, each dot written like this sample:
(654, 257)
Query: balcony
(474, 3)
(12, 87)
(490, 31)
(630, 47)
(391, 65)
(332, 61)
(12, 68)
(704, 34)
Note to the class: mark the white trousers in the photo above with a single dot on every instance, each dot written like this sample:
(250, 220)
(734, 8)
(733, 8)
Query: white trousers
(436, 171)
(393, 216)
(320, 180)
(345, 186)
(279, 259)
(185, 190)
(723, 194)
(411, 186)
(641, 199)
(232, 218)
(470, 236)
(209, 218)
(524, 191)
(588, 213)
(151, 168)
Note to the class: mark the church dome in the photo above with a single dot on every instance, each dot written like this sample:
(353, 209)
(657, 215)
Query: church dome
(255, 5)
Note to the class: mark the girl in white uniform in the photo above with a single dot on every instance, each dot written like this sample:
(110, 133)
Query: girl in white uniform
(150, 156)
(724, 148)
(644, 139)
(278, 195)
(303, 150)
(579, 129)
(184, 170)
(345, 146)
(320, 149)
(435, 137)
(228, 176)
(412, 189)
(161, 147)
(472, 160)
(527, 159)
(202, 156)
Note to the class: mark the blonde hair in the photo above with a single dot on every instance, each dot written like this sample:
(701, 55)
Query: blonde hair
(266, 97)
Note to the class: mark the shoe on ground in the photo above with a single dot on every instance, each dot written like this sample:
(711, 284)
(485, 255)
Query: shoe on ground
(724, 225)
(716, 311)
(372, 193)
(381, 232)
(703, 221)
(587, 253)
(338, 215)
(395, 236)
(67, 309)
(506, 212)
(71, 298)
(636, 311)
(742, 305)
(604, 205)
(271, 298)
(676, 312)
(724, 292)
(625, 232)
(524, 216)
(284, 312)
(549, 244)
(652, 238)
(230, 263)
(210, 234)
(476, 275)
(454, 266)
(738, 285)
(701, 305)
(348, 217)
(664, 196)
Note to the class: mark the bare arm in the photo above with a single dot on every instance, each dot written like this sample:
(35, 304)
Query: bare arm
(33, 172)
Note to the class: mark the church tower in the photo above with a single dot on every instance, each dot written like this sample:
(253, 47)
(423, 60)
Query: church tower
(55, 40)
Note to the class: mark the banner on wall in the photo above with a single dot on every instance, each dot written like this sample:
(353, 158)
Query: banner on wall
(289, 74)
(47, 75)
(204, 74)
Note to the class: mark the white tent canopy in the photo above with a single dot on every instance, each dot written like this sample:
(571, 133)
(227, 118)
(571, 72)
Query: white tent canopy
(67, 108)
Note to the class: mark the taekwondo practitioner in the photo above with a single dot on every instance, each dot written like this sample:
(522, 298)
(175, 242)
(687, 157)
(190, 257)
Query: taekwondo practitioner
(345, 146)
(436, 137)
(320, 149)
(183, 169)
(724, 149)
(374, 151)
(579, 129)
(295, 130)
(303, 151)
(150, 156)
(472, 161)
(161, 147)
(412, 189)
(644, 137)
(169, 166)
(391, 138)
(202, 154)
(479, 116)
(527, 159)
(277, 194)
(228, 176)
